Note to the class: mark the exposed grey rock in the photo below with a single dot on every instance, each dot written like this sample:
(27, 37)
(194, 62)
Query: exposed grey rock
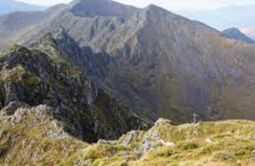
(102, 141)
(162, 122)
(11, 108)
(129, 137)
(145, 146)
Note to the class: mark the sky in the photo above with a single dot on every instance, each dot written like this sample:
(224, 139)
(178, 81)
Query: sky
(173, 5)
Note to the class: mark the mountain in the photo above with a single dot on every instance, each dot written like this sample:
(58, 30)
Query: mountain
(158, 63)
(236, 34)
(8, 6)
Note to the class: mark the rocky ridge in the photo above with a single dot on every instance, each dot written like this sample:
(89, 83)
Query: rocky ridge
(33, 78)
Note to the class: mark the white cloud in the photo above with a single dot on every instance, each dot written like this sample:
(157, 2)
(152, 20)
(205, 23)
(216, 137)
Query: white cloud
(174, 5)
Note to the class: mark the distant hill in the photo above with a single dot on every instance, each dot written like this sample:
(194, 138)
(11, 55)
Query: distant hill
(7, 6)
(236, 34)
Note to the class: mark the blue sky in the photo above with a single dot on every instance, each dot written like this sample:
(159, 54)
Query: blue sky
(173, 5)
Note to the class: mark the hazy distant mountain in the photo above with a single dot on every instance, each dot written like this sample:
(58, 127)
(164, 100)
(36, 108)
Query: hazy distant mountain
(236, 34)
(7, 6)
(233, 16)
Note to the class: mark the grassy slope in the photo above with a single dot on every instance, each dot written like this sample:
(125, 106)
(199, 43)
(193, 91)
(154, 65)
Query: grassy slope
(208, 143)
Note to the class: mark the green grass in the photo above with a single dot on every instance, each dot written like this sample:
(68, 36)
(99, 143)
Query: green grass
(227, 142)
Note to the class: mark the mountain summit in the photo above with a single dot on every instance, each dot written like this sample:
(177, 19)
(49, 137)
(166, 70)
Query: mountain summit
(92, 8)
(236, 34)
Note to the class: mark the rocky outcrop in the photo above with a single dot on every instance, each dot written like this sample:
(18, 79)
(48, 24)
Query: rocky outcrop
(32, 77)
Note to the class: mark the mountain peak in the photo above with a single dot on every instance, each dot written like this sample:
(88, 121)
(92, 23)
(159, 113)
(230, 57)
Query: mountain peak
(155, 11)
(155, 8)
(91, 8)
(232, 30)
(235, 33)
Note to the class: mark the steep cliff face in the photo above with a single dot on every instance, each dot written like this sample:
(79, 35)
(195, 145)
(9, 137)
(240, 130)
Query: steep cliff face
(32, 77)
